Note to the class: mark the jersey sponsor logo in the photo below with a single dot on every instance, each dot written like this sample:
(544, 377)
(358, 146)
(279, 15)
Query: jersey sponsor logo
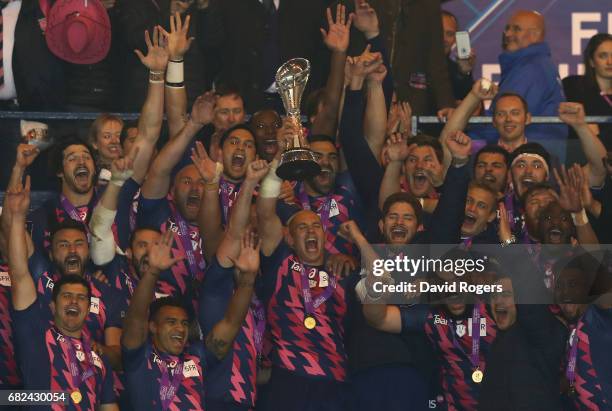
(438, 319)
(323, 279)
(483, 327)
(96, 359)
(190, 369)
(94, 306)
(5, 279)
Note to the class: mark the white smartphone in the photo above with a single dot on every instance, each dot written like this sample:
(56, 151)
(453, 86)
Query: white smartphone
(463, 44)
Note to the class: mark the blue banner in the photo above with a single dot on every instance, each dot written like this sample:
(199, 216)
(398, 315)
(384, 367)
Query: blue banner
(569, 26)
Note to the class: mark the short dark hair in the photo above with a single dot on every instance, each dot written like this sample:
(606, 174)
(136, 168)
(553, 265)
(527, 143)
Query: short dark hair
(70, 279)
(318, 138)
(67, 224)
(511, 94)
(142, 228)
(589, 52)
(160, 303)
(403, 197)
(422, 140)
(226, 90)
(230, 130)
(537, 187)
(531, 148)
(56, 157)
(493, 149)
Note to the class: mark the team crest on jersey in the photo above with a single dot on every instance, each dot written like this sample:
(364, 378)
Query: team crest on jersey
(333, 208)
(460, 330)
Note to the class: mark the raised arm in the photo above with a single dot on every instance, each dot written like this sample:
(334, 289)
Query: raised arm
(26, 154)
(136, 323)
(102, 249)
(209, 215)
(481, 91)
(241, 213)
(397, 152)
(270, 228)
(158, 179)
(378, 314)
(23, 290)
(178, 44)
(220, 339)
(337, 40)
(573, 115)
(152, 113)
(571, 184)
(375, 121)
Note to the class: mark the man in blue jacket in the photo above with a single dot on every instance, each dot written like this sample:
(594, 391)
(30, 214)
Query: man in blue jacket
(527, 69)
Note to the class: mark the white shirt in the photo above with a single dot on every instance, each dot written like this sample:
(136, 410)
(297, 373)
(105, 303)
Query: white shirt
(9, 21)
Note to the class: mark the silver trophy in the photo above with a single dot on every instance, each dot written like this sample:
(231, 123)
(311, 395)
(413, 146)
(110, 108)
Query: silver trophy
(297, 161)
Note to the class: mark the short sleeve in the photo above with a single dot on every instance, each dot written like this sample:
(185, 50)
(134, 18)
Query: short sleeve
(413, 317)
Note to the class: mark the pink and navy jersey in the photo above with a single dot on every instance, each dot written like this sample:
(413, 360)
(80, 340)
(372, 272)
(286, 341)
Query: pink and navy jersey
(106, 308)
(179, 280)
(9, 374)
(143, 373)
(42, 220)
(593, 380)
(44, 357)
(123, 279)
(456, 368)
(233, 378)
(334, 209)
(317, 353)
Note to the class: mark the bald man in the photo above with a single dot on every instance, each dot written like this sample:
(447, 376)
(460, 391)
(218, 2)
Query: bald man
(527, 69)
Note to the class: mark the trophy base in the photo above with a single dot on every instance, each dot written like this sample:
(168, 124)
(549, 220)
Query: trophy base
(297, 164)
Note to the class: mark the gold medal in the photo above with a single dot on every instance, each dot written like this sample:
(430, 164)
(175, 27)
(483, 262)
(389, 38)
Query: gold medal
(310, 322)
(76, 397)
(477, 376)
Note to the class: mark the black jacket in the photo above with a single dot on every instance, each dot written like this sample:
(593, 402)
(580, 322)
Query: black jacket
(234, 36)
(39, 75)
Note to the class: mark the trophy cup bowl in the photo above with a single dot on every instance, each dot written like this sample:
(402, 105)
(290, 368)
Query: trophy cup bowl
(297, 162)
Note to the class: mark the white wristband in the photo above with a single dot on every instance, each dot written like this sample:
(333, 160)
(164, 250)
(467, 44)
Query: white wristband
(175, 74)
(580, 218)
(271, 184)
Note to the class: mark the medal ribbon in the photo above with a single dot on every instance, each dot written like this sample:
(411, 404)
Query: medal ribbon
(324, 209)
(70, 209)
(168, 388)
(194, 260)
(78, 377)
(226, 189)
(309, 304)
(572, 353)
(474, 357)
(259, 318)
